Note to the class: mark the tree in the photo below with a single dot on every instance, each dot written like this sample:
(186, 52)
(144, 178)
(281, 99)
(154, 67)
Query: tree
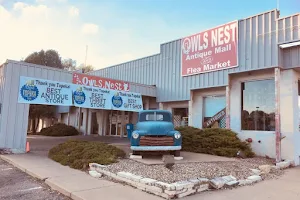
(48, 58)
(86, 69)
(37, 112)
(69, 64)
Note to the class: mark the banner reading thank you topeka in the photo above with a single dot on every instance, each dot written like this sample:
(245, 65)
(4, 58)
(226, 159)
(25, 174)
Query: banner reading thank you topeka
(40, 91)
(92, 97)
(127, 101)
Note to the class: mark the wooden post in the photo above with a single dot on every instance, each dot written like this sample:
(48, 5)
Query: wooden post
(277, 115)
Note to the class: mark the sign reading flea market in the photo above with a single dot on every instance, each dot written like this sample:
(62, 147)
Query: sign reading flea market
(211, 50)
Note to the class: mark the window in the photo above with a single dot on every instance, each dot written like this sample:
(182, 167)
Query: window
(258, 105)
(155, 116)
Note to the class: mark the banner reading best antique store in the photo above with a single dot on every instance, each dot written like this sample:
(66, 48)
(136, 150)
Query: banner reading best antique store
(92, 97)
(40, 91)
(211, 50)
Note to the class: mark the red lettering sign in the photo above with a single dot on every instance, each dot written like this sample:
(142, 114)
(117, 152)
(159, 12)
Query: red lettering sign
(211, 50)
(97, 81)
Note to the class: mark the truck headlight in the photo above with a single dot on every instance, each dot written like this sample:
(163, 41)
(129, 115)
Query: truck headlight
(135, 135)
(177, 135)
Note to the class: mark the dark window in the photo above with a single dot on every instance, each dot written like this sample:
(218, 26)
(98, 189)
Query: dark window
(258, 105)
(81, 119)
(155, 116)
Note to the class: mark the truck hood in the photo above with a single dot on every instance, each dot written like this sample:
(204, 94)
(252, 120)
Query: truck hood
(155, 128)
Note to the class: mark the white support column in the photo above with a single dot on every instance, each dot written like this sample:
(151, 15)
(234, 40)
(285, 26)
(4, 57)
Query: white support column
(161, 106)
(287, 135)
(277, 115)
(191, 102)
(147, 105)
(228, 104)
(123, 121)
(90, 122)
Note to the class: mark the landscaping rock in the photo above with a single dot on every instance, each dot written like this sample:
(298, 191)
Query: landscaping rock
(148, 181)
(187, 193)
(231, 184)
(283, 165)
(168, 161)
(254, 178)
(203, 187)
(95, 174)
(124, 174)
(245, 182)
(256, 171)
(265, 169)
(136, 156)
(178, 158)
(229, 178)
(217, 182)
(183, 184)
(165, 186)
(4, 151)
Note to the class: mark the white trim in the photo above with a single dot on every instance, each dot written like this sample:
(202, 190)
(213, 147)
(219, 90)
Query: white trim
(291, 44)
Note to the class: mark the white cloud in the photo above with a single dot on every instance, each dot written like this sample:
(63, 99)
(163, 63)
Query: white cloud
(90, 29)
(49, 24)
(73, 11)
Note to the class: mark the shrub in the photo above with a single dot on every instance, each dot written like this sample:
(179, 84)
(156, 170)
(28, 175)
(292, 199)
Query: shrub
(59, 130)
(78, 154)
(215, 141)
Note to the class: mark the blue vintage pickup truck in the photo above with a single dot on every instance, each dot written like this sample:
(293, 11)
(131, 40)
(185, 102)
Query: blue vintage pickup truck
(154, 132)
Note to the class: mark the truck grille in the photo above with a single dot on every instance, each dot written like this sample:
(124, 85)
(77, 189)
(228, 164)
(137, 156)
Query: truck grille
(156, 141)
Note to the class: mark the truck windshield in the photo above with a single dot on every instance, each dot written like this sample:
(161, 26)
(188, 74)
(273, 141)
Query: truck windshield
(155, 116)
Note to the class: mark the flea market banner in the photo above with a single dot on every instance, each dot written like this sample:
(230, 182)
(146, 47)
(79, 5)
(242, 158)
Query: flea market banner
(211, 50)
(40, 91)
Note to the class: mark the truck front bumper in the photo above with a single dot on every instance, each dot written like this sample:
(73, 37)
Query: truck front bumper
(155, 148)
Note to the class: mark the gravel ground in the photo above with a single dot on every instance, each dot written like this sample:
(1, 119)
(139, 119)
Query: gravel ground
(239, 169)
(16, 185)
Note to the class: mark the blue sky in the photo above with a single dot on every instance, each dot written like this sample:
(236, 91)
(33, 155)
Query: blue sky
(116, 30)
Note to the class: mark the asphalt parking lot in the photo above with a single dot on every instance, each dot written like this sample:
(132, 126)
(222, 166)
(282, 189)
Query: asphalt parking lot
(17, 185)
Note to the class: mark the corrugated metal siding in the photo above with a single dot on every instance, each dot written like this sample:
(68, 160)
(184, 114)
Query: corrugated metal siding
(14, 124)
(291, 57)
(258, 49)
(289, 28)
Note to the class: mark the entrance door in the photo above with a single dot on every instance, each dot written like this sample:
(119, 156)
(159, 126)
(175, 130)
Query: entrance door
(95, 126)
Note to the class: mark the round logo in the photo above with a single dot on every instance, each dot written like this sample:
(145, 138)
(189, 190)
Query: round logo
(117, 101)
(79, 96)
(29, 91)
(186, 46)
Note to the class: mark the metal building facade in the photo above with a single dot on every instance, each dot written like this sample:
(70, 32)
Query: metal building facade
(258, 35)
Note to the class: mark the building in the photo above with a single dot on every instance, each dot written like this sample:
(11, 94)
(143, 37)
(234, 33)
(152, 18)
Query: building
(243, 75)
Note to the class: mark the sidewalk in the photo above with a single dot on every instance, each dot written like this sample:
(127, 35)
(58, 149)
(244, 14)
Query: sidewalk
(73, 183)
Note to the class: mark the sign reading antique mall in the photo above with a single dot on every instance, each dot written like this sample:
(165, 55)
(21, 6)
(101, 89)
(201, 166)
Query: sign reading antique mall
(211, 50)
(96, 81)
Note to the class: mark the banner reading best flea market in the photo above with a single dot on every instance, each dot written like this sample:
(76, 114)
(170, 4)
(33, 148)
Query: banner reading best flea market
(211, 50)
(127, 101)
(40, 91)
(91, 97)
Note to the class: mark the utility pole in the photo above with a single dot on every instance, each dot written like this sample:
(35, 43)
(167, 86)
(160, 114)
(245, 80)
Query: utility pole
(278, 4)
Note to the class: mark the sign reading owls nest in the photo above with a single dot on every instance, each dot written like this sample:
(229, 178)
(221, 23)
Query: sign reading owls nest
(127, 101)
(91, 97)
(39, 91)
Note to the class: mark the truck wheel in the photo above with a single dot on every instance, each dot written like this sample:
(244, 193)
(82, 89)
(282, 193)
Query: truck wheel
(177, 153)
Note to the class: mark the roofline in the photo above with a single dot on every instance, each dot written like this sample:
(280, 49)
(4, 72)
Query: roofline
(39, 66)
